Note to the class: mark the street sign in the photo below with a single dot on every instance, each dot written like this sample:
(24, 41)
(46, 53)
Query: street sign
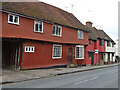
(96, 51)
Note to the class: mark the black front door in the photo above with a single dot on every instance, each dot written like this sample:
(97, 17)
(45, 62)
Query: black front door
(92, 58)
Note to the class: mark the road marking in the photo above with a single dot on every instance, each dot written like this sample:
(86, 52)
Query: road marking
(86, 80)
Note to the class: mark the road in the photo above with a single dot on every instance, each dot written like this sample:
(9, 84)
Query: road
(101, 78)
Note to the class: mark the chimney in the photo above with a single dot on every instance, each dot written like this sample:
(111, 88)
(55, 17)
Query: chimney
(88, 23)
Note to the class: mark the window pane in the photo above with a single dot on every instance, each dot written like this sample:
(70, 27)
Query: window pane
(102, 42)
(26, 49)
(57, 51)
(16, 19)
(90, 41)
(36, 27)
(53, 29)
(79, 52)
(57, 31)
(80, 34)
(10, 18)
(40, 27)
(29, 48)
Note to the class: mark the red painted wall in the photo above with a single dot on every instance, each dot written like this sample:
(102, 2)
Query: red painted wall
(101, 49)
(26, 30)
(92, 48)
(42, 57)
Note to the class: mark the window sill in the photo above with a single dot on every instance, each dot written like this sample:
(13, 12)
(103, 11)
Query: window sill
(28, 52)
(80, 38)
(79, 58)
(38, 32)
(56, 35)
(56, 57)
(14, 23)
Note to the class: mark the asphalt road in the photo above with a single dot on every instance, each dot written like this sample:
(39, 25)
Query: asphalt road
(101, 78)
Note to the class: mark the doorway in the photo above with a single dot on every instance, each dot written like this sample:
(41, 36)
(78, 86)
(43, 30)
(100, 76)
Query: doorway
(70, 55)
(11, 51)
(91, 55)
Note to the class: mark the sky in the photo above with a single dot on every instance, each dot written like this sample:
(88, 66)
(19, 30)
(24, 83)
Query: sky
(102, 13)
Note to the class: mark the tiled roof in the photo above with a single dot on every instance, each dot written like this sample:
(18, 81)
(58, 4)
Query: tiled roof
(45, 12)
(103, 35)
(93, 33)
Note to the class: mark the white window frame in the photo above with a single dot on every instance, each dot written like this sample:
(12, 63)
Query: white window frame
(56, 30)
(81, 34)
(53, 52)
(38, 24)
(13, 19)
(79, 50)
(31, 51)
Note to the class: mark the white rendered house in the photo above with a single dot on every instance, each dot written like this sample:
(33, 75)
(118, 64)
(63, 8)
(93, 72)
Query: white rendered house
(109, 51)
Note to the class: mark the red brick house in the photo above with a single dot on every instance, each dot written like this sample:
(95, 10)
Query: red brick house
(38, 35)
(96, 48)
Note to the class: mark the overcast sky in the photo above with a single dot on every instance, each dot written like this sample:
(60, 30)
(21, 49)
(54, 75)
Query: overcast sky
(103, 13)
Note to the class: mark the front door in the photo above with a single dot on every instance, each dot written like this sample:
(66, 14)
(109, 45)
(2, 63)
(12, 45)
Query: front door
(70, 55)
(92, 58)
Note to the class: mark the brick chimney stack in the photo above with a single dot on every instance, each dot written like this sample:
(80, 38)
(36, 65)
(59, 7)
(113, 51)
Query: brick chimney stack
(89, 24)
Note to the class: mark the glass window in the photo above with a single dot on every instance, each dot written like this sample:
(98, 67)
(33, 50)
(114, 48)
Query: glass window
(57, 30)
(10, 18)
(38, 26)
(90, 41)
(79, 52)
(101, 42)
(80, 34)
(57, 51)
(29, 48)
(13, 19)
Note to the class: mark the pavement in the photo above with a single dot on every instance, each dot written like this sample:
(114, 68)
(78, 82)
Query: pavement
(11, 76)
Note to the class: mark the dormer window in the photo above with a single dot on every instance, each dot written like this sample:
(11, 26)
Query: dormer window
(80, 34)
(38, 26)
(13, 19)
(57, 30)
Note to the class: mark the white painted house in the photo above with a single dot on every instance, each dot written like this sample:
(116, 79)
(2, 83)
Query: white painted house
(110, 51)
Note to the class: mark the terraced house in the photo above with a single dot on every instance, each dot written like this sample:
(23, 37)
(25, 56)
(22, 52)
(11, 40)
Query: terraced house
(109, 48)
(100, 49)
(38, 35)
